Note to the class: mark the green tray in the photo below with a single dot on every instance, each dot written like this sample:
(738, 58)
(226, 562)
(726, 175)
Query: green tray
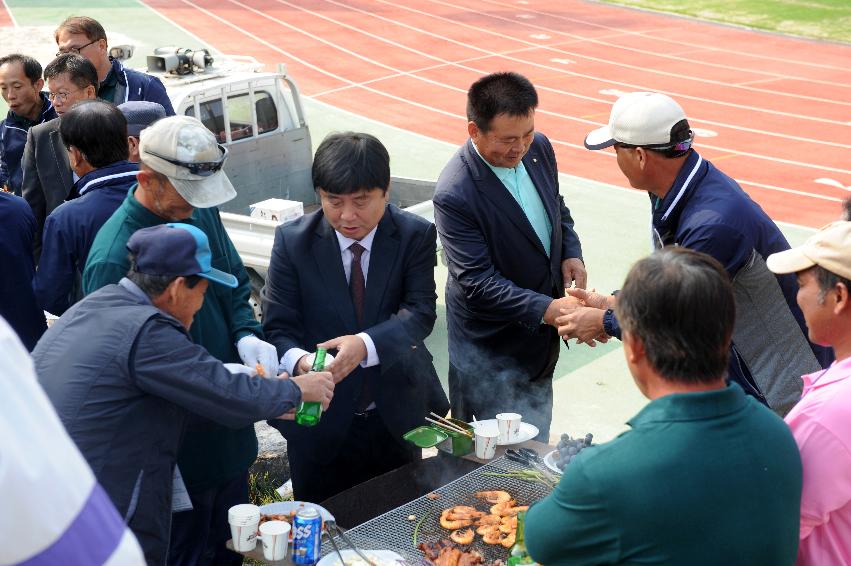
(425, 436)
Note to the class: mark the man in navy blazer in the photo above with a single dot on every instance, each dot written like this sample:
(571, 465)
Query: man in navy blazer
(511, 250)
(356, 276)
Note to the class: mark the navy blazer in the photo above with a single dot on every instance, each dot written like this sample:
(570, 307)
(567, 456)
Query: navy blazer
(500, 279)
(306, 301)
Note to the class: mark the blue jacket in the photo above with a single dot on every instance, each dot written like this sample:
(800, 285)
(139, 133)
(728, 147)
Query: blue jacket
(70, 230)
(135, 85)
(13, 138)
(17, 301)
(123, 377)
(707, 211)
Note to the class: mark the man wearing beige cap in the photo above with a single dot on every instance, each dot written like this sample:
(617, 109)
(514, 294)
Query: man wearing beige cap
(181, 179)
(821, 421)
(696, 206)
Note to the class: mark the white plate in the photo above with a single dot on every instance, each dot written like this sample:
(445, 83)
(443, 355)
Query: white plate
(527, 431)
(385, 557)
(550, 461)
(286, 507)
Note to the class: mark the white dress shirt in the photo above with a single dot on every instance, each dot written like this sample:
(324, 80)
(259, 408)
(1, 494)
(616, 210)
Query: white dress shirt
(293, 355)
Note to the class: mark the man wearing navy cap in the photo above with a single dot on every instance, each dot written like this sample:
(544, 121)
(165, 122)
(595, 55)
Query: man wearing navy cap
(123, 374)
(139, 114)
(696, 206)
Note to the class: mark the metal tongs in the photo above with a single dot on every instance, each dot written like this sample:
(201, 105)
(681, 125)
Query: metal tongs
(340, 533)
(531, 459)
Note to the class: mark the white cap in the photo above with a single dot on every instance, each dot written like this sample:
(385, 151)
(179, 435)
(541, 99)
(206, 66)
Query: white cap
(171, 146)
(641, 119)
(829, 248)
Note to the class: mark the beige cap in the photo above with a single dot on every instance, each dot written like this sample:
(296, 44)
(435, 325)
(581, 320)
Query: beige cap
(185, 151)
(829, 248)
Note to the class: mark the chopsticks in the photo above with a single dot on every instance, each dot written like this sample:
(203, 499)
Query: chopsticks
(448, 425)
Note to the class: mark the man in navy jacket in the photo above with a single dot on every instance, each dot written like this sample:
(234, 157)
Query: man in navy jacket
(356, 276)
(695, 205)
(95, 133)
(124, 377)
(20, 85)
(511, 250)
(116, 83)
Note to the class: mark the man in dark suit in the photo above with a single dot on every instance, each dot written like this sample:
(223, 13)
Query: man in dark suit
(511, 250)
(357, 277)
(48, 179)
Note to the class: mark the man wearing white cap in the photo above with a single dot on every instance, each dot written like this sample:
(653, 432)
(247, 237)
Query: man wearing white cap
(697, 206)
(181, 179)
(821, 421)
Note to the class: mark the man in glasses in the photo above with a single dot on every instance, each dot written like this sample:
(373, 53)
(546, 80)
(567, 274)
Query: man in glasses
(47, 177)
(696, 206)
(116, 83)
(181, 179)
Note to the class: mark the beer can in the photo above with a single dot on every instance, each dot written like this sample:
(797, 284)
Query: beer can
(307, 532)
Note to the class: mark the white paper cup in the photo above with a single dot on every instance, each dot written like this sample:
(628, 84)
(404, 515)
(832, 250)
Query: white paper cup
(275, 536)
(243, 521)
(509, 427)
(485, 443)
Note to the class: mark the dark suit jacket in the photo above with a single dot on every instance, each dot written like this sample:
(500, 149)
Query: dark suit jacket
(306, 301)
(47, 173)
(500, 278)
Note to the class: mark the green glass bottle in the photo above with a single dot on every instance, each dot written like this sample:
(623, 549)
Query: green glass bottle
(518, 553)
(309, 413)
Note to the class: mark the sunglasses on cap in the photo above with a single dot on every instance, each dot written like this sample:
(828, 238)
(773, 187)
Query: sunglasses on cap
(678, 147)
(199, 168)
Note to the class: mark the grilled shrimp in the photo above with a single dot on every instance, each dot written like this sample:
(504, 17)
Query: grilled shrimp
(453, 524)
(503, 509)
(464, 536)
(508, 540)
(492, 536)
(493, 497)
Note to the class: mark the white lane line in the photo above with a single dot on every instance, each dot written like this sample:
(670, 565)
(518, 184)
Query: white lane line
(200, 41)
(650, 69)
(833, 183)
(571, 94)
(11, 15)
(697, 47)
(790, 191)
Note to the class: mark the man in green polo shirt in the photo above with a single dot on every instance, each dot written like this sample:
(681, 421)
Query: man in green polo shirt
(707, 475)
(180, 179)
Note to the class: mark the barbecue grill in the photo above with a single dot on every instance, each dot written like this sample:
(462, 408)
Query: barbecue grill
(394, 531)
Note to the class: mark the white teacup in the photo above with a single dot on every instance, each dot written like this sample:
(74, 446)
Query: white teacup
(485, 443)
(243, 521)
(275, 536)
(509, 427)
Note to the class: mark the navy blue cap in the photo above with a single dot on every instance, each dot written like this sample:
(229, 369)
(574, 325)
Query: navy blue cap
(176, 250)
(140, 114)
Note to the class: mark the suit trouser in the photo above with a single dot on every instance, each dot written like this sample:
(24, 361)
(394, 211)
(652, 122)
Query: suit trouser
(476, 394)
(368, 451)
(198, 536)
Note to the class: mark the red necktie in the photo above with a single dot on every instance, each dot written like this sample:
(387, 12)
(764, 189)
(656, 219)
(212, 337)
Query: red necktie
(357, 283)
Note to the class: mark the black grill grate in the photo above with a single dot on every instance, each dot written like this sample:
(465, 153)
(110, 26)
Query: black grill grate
(394, 531)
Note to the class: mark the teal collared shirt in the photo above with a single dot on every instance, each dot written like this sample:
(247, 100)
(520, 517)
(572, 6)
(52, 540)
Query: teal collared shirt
(703, 478)
(521, 187)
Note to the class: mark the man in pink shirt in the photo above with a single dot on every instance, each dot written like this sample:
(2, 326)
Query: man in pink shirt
(821, 421)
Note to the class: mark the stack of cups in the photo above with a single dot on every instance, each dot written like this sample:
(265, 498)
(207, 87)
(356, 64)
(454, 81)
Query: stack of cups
(243, 521)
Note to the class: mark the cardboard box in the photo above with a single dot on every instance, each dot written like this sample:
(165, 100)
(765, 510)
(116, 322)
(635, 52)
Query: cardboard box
(277, 210)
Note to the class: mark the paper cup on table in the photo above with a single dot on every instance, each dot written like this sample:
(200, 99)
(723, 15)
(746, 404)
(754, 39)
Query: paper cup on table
(275, 536)
(485, 443)
(243, 521)
(509, 427)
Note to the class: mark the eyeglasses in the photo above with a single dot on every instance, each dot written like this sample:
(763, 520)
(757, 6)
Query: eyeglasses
(75, 50)
(199, 168)
(62, 96)
(678, 147)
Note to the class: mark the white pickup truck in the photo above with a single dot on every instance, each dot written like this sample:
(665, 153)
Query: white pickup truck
(260, 118)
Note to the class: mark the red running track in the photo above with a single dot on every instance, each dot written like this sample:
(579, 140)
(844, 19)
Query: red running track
(771, 111)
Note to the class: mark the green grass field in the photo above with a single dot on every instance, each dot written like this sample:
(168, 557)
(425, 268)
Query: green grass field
(818, 19)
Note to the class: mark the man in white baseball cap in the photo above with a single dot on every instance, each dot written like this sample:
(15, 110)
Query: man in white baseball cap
(821, 421)
(181, 180)
(695, 205)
